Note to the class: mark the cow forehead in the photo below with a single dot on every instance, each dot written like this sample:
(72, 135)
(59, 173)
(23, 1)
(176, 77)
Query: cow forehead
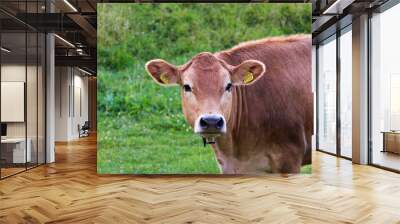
(204, 60)
(206, 67)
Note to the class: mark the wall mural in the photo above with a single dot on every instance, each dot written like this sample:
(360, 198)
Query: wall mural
(204, 89)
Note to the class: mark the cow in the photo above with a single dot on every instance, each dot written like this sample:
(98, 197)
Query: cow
(253, 103)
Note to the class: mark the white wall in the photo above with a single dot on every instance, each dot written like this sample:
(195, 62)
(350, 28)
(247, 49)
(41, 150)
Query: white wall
(71, 94)
(62, 82)
(33, 126)
(13, 72)
(79, 117)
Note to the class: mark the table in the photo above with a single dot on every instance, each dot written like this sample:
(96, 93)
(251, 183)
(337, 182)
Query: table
(391, 141)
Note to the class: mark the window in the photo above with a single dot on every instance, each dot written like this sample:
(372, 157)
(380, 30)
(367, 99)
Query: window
(327, 96)
(346, 75)
(385, 89)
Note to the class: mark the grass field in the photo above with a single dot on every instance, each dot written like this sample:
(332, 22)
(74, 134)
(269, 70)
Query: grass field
(141, 129)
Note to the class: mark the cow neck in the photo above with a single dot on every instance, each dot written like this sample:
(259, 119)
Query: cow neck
(234, 121)
(227, 142)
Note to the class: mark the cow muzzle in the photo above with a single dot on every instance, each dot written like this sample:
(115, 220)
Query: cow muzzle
(210, 126)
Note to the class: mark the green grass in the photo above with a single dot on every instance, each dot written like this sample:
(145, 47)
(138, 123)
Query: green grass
(141, 129)
(136, 148)
(307, 169)
(152, 136)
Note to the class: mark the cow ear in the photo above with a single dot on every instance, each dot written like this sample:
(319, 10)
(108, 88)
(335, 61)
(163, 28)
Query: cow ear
(163, 72)
(247, 72)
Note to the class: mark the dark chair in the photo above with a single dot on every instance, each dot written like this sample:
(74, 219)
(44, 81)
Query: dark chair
(84, 130)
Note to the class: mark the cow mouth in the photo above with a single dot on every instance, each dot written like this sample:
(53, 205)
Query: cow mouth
(209, 137)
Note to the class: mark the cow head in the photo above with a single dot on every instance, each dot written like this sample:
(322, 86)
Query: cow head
(206, 85)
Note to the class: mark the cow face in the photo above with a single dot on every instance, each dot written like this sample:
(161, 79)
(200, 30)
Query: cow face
(207, 87)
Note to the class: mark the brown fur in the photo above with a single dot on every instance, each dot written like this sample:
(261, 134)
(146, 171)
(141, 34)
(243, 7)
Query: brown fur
(270, 120)
(278, 107)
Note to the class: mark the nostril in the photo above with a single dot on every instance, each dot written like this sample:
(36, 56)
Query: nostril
(220, 123)
(203, 123)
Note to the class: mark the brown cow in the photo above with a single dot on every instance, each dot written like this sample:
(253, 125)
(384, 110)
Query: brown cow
(253, 101)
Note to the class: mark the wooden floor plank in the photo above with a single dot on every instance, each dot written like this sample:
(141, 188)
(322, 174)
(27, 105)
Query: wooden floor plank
(70, 191)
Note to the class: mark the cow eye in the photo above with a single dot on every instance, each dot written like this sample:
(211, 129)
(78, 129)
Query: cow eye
(187, 88)
(228, 87)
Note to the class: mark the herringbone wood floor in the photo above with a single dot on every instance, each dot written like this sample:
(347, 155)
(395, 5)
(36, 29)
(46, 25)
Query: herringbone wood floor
(70, 191)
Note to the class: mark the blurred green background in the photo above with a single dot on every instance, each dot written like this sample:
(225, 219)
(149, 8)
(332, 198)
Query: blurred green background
(141, 128)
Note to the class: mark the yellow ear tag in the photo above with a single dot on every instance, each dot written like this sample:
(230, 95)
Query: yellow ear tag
(248, 77)
(164, 78)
